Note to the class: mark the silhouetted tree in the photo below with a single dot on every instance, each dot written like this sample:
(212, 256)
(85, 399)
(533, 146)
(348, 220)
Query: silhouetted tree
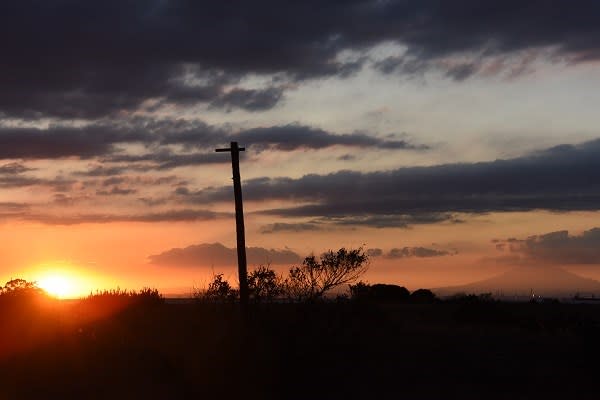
(313, 278)
(423, 296)
(20, 287)
(219, 290)
(264, 284)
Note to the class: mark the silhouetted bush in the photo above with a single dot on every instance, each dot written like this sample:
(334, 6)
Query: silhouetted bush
(423, 296)
(359, 291)
(264, 284)
(149, 296)
(313, 278)
(470, 298)
(379, 292)
(119, 299)
(218, 291)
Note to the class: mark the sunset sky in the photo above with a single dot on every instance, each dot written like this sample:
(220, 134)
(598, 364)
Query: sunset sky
(452, 139)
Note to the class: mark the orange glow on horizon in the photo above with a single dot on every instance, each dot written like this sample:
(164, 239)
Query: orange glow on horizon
(64, 281)
(57, 286)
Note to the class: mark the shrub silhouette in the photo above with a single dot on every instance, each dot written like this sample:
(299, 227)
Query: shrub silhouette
(360, 291)
(313, 278)
(423, 296)
(264, 284)
(107, 302)
(462, 298)
(219, 291)
(150, 297)
(379, 292)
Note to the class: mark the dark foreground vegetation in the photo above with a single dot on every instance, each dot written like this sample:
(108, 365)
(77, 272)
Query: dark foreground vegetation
(380, 343)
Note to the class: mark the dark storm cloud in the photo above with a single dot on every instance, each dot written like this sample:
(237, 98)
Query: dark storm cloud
(293, 137)
(282, 137)
(63, 141)
(557, 247)
(169, 143)
(565, 177)
(113, 55)
(215, 254)
(418, 252)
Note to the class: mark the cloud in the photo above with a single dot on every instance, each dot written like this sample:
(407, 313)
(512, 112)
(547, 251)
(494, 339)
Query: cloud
(116, 191)
(27, 213)
(9, 207)
(250, 100)
(114, 56)
(215, 254)
(279, 227)
(64, 141)
(418, 252)
(169, 143)
(557, 247)
(375, 252)
(16, 180)
(295, 136)
(562, 178)
(13, 168)
(388, 221)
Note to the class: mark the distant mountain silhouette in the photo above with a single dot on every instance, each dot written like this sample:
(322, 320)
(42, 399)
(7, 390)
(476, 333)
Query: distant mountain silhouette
(542, 280)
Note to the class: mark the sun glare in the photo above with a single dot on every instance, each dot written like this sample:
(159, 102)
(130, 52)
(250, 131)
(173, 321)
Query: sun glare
(57, 286)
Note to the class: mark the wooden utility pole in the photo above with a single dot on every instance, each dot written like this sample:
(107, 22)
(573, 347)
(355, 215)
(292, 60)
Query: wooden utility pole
(239, 222)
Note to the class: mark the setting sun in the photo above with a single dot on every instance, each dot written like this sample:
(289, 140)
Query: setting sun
(57, 286)
(64, 280)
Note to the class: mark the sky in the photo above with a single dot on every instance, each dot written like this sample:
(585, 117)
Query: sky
(451, 140)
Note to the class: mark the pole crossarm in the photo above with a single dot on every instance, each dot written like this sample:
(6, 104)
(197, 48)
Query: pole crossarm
(229, 150)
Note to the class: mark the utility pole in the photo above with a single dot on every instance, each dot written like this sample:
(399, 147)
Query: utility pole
(239, 223)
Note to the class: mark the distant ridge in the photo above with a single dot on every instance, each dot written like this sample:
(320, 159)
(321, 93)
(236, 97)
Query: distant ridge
(521, 281)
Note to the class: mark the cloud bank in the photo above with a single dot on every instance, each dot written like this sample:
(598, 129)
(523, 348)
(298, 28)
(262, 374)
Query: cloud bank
(557, 247)
(115, 56)
(562, 178)
(215, 254)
